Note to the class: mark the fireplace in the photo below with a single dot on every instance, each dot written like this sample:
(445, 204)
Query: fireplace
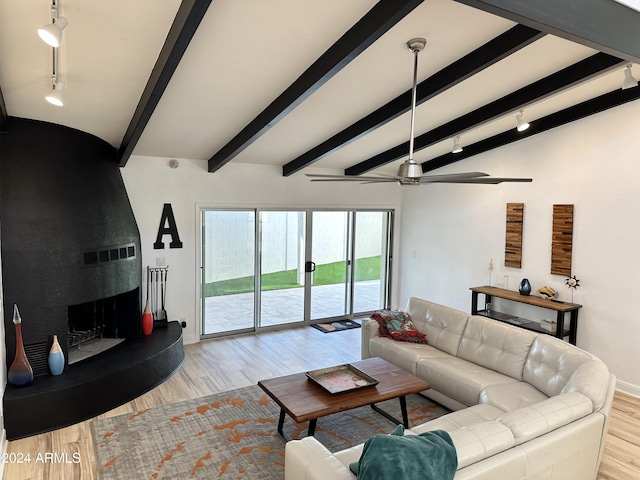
(71, 262)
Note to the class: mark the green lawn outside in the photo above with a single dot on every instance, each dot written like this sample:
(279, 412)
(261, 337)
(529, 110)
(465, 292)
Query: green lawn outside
(326, 274)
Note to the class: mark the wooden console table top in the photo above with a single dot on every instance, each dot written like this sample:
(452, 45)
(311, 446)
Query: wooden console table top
(529, 299)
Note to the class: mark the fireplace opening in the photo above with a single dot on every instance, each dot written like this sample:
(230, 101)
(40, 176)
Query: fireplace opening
(101, 324)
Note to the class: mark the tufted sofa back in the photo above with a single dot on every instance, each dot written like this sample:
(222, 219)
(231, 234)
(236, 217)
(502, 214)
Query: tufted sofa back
(442, 325)
(495, 345)
(555, 367)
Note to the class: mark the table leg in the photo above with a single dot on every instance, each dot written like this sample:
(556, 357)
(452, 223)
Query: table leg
(281, 431)
(312, 427)
(403, 409)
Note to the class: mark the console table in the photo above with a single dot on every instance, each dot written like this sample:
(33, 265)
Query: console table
(561, 309)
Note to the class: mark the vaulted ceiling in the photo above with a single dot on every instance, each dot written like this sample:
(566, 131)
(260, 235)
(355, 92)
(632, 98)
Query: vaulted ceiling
(325, 83)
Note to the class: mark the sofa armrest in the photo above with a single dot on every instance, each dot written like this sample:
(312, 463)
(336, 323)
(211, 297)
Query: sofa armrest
(369, 330)
(308, 459)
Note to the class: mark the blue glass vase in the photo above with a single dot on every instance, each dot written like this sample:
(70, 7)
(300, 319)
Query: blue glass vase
(56, 358)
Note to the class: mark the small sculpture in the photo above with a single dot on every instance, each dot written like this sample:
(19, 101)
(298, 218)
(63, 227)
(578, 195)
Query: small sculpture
(573, 283)
(548, 292)
(525, 287)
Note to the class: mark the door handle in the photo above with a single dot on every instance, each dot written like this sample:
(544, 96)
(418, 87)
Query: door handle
(310, 267)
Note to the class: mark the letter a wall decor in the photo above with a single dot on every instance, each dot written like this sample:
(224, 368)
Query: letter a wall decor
(513, 238)
(167, 227)
(562, 240)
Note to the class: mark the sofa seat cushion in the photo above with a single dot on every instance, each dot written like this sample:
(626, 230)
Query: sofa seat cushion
(497, 346)
(458, 378)
(402, 354)
(510, 396)
(461, 418)
(543, 417)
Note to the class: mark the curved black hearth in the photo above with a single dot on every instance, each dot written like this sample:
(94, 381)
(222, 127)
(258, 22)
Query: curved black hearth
(95, 385)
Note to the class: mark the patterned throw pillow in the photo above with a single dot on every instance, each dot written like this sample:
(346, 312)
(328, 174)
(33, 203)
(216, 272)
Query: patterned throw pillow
(398, 326)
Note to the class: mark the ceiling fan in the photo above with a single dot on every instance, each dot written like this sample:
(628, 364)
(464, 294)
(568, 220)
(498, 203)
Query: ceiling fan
(410, 172)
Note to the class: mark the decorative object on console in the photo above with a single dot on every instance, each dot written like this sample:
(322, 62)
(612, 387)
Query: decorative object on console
(547, 292)
(562, 239)
(525, 287)
(398, 326)
(549, 326)
(490, 270)
(513, 236)
(56, 358)
(20, 373)
(573, 283)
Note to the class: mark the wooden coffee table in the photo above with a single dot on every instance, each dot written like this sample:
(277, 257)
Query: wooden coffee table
(304, 400)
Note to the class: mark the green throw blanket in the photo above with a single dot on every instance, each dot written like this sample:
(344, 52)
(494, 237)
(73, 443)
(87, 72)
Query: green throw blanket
(427, 456)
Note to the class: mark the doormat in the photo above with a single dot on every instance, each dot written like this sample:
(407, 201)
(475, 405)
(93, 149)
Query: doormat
(336, 326)
(229, 435)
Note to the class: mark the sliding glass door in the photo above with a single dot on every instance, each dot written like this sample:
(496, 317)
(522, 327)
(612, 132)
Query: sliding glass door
(265, 268)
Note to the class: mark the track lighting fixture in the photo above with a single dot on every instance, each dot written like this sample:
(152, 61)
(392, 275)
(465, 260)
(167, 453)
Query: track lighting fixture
(51, 34)
(456, 145)
(55, 96)
(521, 123)
(629, 81)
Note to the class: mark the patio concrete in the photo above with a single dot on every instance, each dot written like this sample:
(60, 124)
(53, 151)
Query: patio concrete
(235, 312)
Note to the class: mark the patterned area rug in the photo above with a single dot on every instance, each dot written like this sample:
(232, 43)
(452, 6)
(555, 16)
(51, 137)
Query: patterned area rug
(336, 326)
(231, 435)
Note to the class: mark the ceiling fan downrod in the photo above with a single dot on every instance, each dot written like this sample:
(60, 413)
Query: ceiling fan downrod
(410, 168)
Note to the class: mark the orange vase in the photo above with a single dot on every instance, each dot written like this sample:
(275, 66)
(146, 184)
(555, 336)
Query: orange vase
(20, 373)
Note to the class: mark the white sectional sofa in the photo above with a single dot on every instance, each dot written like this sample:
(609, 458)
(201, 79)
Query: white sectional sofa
(525, 405)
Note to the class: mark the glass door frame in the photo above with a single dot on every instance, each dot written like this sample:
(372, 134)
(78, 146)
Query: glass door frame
(386, 283)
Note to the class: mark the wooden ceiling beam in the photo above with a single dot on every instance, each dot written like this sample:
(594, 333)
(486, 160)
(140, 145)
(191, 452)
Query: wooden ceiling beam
(557, 82)
(483, 57)
(185, 24)
(604, 25)
(557, 119)
(384, 15)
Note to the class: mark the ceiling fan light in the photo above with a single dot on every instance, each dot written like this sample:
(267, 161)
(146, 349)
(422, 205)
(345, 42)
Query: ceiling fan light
(51, 33)
(629, 81)
(457, 148)
(521, 123)
(55, 97)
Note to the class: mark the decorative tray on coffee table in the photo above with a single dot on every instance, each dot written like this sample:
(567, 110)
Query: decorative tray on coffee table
(342, 378)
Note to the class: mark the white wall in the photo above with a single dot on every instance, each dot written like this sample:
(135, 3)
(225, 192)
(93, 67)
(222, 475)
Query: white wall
(151, 183)
(450, 232)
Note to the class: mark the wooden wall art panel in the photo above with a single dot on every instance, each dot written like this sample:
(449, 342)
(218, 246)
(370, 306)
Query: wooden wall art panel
(562, 240)
(513, 238)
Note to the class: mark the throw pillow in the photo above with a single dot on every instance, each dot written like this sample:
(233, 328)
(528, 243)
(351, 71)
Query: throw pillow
(427, 456)
(398, 326)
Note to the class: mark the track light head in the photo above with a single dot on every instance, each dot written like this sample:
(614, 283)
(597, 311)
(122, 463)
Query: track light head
(55, 96)
(51, 34)
(521, 123)
(629, 81)
(457, 148)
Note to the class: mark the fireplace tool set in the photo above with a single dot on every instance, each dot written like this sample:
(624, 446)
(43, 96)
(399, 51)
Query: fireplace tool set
(156, 296)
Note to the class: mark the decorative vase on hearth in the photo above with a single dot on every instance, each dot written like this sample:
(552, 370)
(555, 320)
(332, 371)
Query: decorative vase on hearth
(20, 373)
(525, 287)
(56, 358)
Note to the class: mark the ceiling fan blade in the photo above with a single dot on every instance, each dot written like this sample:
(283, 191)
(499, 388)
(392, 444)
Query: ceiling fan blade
(452, 176)
(485, 181)
(354, 179)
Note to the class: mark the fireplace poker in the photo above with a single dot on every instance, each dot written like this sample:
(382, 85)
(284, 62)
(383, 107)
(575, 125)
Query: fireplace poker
(163, 280)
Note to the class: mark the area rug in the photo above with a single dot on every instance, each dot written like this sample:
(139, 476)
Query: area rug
(336, 326)
(231, 435)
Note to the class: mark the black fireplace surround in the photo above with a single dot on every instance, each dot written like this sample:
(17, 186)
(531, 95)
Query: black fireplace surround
(71, 262)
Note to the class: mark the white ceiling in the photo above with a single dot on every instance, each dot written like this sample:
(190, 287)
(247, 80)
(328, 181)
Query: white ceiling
(245, 53)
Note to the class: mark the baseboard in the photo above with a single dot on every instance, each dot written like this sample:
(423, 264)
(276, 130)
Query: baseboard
(628, 388)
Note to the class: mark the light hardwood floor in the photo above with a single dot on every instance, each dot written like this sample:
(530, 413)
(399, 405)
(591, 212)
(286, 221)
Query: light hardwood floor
(223, 364)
